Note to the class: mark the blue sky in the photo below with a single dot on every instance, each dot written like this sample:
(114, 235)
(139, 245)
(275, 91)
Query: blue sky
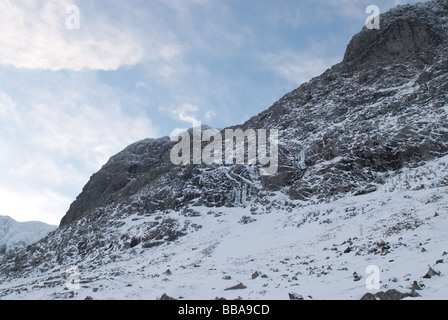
(70, 99)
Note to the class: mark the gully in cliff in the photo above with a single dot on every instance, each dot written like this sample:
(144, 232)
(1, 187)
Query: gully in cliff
(232, 151)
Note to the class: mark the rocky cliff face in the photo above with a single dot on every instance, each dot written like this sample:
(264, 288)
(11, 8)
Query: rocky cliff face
(380, 109)
(345, 133)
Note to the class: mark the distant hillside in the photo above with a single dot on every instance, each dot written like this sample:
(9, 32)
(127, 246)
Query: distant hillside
(18, 235)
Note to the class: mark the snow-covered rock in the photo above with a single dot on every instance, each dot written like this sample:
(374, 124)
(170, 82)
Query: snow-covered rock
(18, 235)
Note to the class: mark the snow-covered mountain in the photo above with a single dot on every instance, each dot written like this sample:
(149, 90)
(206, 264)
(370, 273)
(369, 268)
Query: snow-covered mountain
(363, 181)
(18, 235)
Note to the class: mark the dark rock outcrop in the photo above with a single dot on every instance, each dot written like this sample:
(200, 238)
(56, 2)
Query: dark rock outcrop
(239, 286)
(431, 273)
(392, 295)
(295, 296)
(368, 296)
(166, 297)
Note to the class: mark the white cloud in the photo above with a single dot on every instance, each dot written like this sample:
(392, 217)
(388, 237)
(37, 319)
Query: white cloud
(68, 124)
(34, 36)
(84, 131)
(297, 67)
(52, 143)
(29, 205)
(208, 115)
(185, 112)
(189, 113)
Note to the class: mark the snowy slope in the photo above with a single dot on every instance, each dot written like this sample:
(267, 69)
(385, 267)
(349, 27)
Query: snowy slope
(311, 250)
(17, 235)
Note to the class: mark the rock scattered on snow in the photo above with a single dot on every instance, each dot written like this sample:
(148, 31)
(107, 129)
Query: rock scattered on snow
(431, 273)
(239, 286)
(295, 296)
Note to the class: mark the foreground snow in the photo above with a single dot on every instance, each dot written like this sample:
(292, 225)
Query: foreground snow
(312, 250)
